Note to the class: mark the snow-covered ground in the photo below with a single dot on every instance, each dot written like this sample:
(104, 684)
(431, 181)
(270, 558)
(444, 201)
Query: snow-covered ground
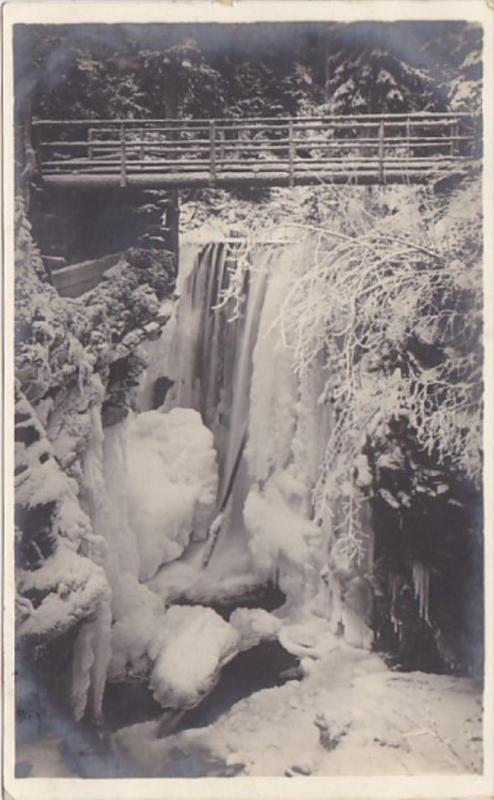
(350, 715)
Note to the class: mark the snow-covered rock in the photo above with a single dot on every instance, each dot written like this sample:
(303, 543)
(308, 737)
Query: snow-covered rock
(70, 587)
(192, 646)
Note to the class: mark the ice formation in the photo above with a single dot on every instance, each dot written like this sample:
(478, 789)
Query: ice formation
(171, 485)
(282, 542)
(135, 610)
(150, 482)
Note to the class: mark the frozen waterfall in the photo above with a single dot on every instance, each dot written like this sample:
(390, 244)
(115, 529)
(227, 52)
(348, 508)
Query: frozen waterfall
(227, 355)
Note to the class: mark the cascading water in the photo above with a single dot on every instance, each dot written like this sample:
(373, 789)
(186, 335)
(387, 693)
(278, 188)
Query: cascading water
(210, 360)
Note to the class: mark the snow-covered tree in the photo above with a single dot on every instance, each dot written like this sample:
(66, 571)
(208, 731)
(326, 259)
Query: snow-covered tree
(374, 80)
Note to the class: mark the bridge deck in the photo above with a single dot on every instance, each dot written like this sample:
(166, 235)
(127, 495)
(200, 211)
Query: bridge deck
(365, 149)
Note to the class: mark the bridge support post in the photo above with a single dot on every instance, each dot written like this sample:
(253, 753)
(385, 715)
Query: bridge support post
(212, 152)
(291, 154)
(123, 159)
(381, 152)
(90, 138)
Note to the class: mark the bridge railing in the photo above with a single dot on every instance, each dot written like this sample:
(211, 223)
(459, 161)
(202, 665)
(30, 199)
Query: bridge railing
(376, 145)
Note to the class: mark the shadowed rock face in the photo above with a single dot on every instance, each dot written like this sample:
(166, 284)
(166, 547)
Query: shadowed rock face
(428, 599)
(160, 390)
(37, 540)
(71, 226)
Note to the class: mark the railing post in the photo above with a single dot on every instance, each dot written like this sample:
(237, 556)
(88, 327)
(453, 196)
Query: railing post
(381, 151)
(212, 152)
(221, 137)
(455, 132)
(291, 154)
(123, 158)
(476, 136)
(409, 152)
(90, 138)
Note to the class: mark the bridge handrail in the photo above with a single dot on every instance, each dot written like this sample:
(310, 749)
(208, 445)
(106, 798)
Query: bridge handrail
(286, 144)
(281, 119)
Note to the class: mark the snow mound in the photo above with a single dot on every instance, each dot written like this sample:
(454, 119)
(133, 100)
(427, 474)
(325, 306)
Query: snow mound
(254, 626)
(192, 646)
(172, 483)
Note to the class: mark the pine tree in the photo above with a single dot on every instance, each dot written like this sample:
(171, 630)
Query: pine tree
(373, 80)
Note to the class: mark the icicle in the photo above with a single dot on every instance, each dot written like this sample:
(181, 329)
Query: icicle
(90, 660)
(421, 580)
(102, 653)
(82, 661)
(394, 586)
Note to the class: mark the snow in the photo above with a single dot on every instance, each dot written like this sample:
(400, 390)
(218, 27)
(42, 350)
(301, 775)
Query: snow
(75, 588)
(43, 758)
(349, 716)
(192, 646)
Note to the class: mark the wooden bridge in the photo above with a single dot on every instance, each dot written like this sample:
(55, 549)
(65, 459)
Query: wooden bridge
(176, 153)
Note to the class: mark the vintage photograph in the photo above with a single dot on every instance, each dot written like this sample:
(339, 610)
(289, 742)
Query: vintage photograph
(249, 353)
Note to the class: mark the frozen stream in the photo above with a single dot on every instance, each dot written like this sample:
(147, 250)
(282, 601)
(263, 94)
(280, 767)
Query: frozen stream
(349, 716)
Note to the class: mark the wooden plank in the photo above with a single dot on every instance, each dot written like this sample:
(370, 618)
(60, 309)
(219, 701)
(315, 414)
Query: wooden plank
(142, 167)
(228, 180)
